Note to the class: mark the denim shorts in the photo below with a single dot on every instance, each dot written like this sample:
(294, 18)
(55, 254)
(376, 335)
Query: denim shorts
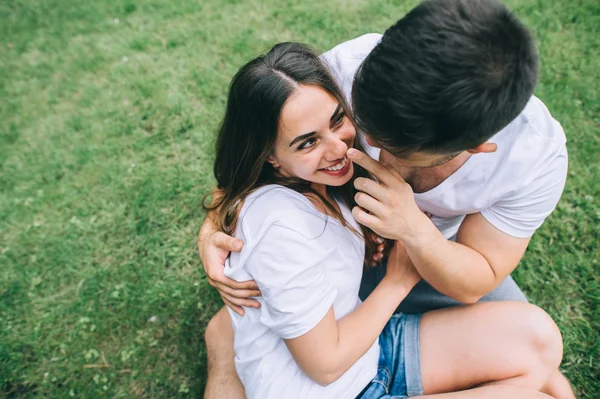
(399, 373)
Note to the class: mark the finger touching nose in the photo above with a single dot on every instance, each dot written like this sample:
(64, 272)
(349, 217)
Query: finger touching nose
(337, 149)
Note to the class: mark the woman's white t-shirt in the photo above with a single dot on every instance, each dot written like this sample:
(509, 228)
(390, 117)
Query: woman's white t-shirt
(304, 262)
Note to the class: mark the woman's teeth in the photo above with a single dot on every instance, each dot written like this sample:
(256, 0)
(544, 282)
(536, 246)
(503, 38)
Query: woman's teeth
(338, 166)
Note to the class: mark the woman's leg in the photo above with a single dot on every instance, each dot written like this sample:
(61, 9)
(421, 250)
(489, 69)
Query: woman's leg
(489, 343)
(559, 387)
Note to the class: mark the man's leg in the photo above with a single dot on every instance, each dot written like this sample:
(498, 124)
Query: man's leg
(222, 380)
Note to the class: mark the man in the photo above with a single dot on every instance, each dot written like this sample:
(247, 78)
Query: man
(470, 163)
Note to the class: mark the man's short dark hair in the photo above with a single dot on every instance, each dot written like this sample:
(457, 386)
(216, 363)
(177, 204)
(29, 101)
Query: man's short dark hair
(446, 77)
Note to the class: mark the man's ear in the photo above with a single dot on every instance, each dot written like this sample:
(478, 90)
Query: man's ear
(483, 148)
(371, 142)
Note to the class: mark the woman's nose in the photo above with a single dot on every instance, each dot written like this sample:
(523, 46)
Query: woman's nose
(336, 149)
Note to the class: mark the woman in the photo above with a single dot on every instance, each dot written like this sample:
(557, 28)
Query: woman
(286, 192)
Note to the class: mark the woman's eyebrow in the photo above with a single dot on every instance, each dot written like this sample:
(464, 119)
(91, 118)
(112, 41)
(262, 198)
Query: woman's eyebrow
(302, 137)
(307, 135)
(335, 113)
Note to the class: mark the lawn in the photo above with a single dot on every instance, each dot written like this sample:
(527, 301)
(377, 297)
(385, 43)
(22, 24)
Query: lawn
(108, 112)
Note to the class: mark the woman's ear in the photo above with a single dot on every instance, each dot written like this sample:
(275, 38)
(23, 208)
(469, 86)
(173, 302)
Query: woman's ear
(273, 162)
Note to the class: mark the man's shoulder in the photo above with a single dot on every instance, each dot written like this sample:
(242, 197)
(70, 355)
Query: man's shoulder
(534, 124)
(358, 47)
(530, 143)
(345, 58)
(541, 124)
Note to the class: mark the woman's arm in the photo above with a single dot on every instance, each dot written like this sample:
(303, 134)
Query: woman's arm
(327, 351)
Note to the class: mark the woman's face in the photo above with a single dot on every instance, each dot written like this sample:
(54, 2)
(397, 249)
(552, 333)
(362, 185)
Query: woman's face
(314, 135)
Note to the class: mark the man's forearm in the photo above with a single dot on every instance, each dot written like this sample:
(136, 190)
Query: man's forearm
(451, 268)
(209, 226)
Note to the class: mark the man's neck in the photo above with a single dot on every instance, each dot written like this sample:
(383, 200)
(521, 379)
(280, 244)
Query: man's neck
(424, 179)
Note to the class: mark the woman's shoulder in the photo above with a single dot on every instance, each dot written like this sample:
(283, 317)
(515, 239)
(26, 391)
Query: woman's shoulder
(281, 207)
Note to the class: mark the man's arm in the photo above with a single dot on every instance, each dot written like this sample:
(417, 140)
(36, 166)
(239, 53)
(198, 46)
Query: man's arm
(214, 247)
(464, 270)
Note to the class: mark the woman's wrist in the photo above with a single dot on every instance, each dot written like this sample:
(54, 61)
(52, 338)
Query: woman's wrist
(395, 290)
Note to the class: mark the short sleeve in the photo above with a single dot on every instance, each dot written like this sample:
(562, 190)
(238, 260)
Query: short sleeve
(345, 59)
(522, 211)
(288, 268)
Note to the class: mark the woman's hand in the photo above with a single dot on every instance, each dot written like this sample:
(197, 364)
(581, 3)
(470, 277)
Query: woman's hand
(382, 251)
(214, 248)
(400, 269)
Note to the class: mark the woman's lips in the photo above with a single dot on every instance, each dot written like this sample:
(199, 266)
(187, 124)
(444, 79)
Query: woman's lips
(340, 172)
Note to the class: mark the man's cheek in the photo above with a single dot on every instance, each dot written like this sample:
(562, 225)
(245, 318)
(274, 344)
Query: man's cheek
(371, 142)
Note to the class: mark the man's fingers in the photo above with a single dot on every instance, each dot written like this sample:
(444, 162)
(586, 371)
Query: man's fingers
(370, 204)
(372, 188)
(371, 165)
(249, 303)
(246, 285)
(235, 285)
(237, 309)
(365, 218)
(235, 292)
(243, 294)
(228, 243)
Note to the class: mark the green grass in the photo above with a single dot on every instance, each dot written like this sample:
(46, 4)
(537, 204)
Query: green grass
(108, 111)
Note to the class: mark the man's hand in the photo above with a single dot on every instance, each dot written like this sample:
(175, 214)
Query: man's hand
(214, 248)
(388, 207)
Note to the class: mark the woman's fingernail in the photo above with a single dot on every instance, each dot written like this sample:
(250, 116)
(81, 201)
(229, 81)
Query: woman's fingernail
(351, 152)
(379, 240)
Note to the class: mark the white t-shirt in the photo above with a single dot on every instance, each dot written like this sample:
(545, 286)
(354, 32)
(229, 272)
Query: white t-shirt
(514, 188)
(303, 262)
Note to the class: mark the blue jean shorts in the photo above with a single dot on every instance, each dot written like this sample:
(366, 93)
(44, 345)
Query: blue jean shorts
(399, 373)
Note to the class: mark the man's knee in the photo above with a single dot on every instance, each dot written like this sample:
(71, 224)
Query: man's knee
(219, 334)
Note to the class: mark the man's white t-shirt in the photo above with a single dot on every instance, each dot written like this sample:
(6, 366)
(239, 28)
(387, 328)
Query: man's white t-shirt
(514, 188)
(304, 263)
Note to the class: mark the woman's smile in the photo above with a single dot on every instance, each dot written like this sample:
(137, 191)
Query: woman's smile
(339, 169)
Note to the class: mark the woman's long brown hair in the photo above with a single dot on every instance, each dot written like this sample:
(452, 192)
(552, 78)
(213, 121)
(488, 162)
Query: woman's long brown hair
(248, 133)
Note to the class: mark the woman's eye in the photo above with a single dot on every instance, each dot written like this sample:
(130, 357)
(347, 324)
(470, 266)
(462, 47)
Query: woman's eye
(339, 119)
(307, 144)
